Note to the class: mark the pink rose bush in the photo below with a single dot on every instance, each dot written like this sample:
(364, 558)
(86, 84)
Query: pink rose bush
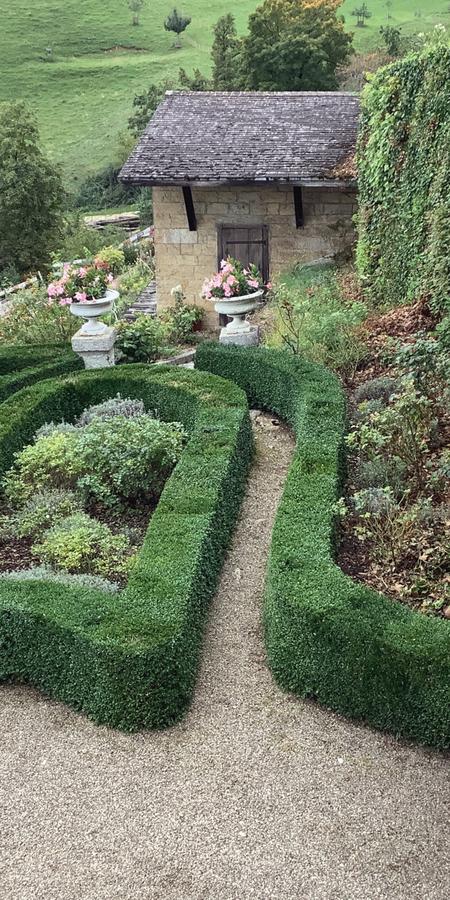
(80, 284)
(233, 280)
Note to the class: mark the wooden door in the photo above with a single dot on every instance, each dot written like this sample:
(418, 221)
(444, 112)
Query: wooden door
(247, 243)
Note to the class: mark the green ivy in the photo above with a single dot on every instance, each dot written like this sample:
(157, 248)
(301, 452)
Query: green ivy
(404, 181)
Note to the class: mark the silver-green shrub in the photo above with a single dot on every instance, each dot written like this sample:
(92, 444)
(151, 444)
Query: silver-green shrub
(45, 573)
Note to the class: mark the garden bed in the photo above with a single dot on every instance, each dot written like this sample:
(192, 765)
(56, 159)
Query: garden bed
(395, 531)
(328, 637)
(130, 660)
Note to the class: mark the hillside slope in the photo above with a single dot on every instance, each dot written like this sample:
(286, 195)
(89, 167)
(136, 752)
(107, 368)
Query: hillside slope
(99, 61)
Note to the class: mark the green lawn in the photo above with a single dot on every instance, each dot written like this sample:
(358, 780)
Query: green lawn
(83, 97)
(411, 16)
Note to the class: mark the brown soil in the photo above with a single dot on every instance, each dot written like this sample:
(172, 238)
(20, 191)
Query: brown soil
(15, 552)
(400, 324)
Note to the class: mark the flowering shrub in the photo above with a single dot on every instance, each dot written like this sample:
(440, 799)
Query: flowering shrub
(35, 318)
(233, 280)
(80, 284)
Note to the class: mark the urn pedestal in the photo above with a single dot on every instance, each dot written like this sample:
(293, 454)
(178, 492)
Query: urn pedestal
(239, 331)
(96, 350)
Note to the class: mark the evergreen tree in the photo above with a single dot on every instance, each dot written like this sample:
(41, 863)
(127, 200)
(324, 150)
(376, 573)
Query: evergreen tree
(195, 82)
(177, 23)
(294, 45)
(224, 54)
(32, 196)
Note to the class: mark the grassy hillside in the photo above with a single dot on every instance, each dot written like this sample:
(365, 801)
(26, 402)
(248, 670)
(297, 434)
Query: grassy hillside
(100, 61)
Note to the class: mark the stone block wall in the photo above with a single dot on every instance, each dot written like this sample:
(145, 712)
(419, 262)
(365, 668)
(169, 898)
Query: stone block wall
(188, 257)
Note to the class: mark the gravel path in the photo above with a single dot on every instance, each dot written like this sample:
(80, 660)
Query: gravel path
(254, 795)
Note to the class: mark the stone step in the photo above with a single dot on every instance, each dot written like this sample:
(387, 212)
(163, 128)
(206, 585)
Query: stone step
(145, 303)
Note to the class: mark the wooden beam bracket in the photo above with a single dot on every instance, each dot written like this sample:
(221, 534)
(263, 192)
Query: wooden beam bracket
(189, 206)
(298, 206)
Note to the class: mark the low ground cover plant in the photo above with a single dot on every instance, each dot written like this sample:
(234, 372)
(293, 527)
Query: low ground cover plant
(398, 503)
(147, 338)
(68, 490)
(310, 314)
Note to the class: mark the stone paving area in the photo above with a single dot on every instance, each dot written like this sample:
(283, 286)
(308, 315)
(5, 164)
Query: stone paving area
(256, 794)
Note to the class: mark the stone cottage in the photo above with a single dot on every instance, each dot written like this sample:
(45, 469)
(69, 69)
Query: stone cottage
(264, 177)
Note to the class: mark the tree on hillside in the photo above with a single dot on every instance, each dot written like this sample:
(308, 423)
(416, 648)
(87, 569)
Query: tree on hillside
(177, 23)
(135, 6)
(392, 38)
(32, 196)
(362, 14)
(144, 106)
(294, 45)
(195, 82)
(224, 54)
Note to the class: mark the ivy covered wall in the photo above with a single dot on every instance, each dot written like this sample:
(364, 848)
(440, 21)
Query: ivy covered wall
(404, 181)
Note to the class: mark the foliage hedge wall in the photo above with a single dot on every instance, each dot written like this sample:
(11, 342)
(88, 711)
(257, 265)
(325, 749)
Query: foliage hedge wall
(130, 660)
(327, 636)
(404, 181)
(20, 366)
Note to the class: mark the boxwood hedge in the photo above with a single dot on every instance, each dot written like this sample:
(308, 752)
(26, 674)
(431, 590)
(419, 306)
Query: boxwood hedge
(23, 365)
(328, 637)
(130, 660)
(15, 357)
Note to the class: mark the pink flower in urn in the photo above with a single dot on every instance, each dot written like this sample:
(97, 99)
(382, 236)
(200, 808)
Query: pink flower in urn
(81, 296)
(110, 277)
(253, 283)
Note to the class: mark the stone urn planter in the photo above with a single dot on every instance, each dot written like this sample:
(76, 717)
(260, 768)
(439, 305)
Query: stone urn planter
(237, 308)
(91, 310)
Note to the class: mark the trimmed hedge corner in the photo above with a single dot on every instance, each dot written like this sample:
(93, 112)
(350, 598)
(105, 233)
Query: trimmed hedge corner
(130, 660)
(328, 637)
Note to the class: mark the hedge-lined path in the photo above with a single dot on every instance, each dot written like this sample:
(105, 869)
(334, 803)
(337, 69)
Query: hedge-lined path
(254, 795)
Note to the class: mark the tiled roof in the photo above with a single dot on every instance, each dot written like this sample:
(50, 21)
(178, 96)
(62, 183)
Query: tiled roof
(244, 137)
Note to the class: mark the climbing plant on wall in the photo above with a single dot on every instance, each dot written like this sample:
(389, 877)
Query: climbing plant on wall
(404, 181)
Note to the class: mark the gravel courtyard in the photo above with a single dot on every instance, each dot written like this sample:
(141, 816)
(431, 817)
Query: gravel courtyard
(255, 794)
